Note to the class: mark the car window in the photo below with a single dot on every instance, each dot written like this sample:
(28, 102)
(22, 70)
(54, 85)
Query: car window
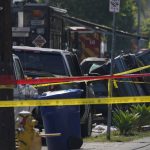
(42, 62)
(18, 70)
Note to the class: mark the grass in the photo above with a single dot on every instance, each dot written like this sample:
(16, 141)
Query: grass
(115, 137)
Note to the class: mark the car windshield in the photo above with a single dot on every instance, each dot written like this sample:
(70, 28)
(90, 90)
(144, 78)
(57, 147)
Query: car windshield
(87, 66)
(42, 62)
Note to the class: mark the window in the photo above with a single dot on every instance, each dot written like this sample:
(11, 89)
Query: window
(18, 69)
(43, 62)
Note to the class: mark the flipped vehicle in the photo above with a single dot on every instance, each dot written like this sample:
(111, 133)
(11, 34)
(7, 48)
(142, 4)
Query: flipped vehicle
(125, 87)
(123, 63)
(143, 57)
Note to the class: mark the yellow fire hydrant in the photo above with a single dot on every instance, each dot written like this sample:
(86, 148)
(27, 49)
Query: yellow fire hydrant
(27, 136)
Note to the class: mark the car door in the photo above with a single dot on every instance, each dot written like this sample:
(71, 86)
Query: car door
(127, 87)
(22, 91)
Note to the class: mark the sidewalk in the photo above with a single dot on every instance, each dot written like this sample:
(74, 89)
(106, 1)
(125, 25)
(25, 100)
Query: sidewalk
(141, 144)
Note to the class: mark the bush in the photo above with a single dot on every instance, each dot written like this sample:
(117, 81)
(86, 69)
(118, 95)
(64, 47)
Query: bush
(125, 121)
(144, 114)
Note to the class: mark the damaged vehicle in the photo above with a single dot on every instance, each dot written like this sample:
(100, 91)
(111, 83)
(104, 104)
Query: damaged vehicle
(123, 63)
(126, 86)
(143, 57)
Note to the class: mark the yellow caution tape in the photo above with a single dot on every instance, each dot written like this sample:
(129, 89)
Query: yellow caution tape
(78, 101)
(7, 86)
(49, 84)
(133, 70)
(126, 72)
(109, 88)
(136, 82)
(115, 84)
(40, 85)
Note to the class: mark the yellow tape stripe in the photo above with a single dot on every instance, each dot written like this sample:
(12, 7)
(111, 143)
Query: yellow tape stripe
(122, 73)
(7, 86)
(48, 84)
(136, 82)
(133, 70)
(79, 101)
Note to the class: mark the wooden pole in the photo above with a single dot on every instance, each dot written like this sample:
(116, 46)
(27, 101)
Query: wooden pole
(7, 125)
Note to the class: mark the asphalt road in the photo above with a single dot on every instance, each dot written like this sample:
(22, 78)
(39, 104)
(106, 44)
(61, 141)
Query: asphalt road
(141, 144)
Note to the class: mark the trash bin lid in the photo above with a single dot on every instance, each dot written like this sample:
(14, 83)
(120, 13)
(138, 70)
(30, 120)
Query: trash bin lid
(70, 93)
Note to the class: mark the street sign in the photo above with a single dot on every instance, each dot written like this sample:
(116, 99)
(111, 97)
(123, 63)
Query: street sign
(39, 41)
(114, 6)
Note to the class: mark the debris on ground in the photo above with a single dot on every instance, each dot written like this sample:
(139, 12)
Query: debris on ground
(101, 129)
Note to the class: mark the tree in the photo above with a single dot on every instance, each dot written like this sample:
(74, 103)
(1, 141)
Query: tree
(145, 29)
(98, 12)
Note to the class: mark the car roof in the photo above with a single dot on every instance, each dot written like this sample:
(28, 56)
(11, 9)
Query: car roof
(93, 59)
(39, 49)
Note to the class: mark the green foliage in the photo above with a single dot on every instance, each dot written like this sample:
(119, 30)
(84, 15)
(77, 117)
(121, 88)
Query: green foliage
(90, 10)
(125, 121)
(127, 15)
(132, 119)
(41, 1)
(98, 12)
(146, 27)
(144, 114)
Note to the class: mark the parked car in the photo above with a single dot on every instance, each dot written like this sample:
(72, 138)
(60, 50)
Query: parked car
(42, 62)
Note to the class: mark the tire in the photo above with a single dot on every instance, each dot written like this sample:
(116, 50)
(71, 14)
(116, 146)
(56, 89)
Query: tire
(86, 128)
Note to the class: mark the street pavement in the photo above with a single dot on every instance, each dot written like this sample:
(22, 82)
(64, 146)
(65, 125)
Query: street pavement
(141, 144)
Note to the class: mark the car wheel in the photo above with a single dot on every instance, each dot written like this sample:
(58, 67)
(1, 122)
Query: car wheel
(86, 128)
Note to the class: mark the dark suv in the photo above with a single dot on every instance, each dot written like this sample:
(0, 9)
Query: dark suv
(45, 62)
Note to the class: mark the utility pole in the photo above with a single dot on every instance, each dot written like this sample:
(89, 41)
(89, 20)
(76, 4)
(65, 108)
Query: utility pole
(114, 7)
(110, 82)
(139, 23)
(7, 125)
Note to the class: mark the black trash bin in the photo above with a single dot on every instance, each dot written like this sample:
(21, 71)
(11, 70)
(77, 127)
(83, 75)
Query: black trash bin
(62, 119)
